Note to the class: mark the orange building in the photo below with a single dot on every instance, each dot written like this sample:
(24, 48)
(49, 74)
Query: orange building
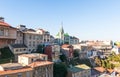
(7, 33)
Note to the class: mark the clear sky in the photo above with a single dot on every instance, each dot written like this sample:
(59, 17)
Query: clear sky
(85, 19)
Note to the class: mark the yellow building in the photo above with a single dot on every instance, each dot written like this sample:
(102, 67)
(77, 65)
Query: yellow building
(30, 65)
(15, 70)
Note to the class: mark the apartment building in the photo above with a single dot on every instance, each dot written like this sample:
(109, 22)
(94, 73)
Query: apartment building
(18, 49)
(42, 67)
(32, 38)
(67, 50)
(7, 33)
(26, 59)
(46, 35)
(79, 71)
(29, 65)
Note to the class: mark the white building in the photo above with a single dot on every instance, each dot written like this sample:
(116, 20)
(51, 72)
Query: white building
(32, 38)
(26, 59)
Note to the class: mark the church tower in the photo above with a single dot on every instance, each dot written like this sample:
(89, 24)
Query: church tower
(60, 35)
(61, 32)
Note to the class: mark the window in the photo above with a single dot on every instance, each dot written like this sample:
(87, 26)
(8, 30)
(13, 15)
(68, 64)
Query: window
(29, 49)
(44, 40)
(29, 43)
(1, 31)
(6, 76)
(30, 36)
(16, 50)
(33, 43)
(24, 49)
(27, 74)
(6, 32)
(34, 37)
(19, 75)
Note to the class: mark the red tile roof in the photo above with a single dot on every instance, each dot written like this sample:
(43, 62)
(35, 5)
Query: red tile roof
(40, 63)
(100, 69)
(4, 24)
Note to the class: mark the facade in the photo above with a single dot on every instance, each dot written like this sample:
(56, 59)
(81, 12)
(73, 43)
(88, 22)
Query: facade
(42, 67)
(19, 39)
(7, 33)
(46, 35)
(29, 37)
(32, 39)
(26, 59)
(74, 40)
(18, 49)
(53, 52)
(52, 39)
(67, 50)
(79, 71)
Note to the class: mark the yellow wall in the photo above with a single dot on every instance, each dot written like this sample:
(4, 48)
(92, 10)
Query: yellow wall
(24, 74)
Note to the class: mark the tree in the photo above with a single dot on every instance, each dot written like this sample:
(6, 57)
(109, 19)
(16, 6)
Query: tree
(76, 53)
(40, 48)
(63, 58)
(60, 70)
(98, 61)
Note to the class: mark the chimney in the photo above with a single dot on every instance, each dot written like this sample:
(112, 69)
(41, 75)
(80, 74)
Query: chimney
(1, 19)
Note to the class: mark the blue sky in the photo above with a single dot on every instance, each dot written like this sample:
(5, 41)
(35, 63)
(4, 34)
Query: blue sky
(86, 19)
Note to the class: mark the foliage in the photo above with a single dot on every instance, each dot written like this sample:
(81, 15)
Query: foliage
(110, 62)
(60, 70)
(98, 61)
(78, 61)
(63, 58)
(66, 42)
(40, 48)
(76, 53)
(6, 55)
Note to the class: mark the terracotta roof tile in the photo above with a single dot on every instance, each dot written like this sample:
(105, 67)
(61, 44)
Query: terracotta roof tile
(100, 69)
(4, 24)
(40, 63)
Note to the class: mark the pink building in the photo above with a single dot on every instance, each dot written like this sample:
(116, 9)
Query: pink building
(67, 50)
(7, 33)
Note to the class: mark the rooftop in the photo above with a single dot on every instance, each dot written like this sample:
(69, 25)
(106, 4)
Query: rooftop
(2, 23)
(40, 63)
(79, 68)
(100, 69)
(15, 71)
(10, 66)
(105, 75)
(33, 55)
(18, 46)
